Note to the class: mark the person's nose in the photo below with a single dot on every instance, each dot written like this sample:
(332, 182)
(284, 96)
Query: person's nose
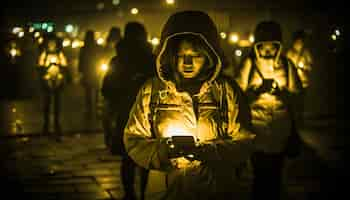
(188, 60)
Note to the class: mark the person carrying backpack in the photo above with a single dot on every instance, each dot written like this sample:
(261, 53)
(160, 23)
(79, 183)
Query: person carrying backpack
(184, 126)
(132, 66)
(272, 87)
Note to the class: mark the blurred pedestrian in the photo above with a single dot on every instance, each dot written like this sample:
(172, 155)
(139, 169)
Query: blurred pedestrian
(89, 57)
(53, 71)
(184, 125)
(300, 54)
(272, 86)
(128, 71)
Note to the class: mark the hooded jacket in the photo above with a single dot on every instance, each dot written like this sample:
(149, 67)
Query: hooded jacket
(175, 113)
(273, 115)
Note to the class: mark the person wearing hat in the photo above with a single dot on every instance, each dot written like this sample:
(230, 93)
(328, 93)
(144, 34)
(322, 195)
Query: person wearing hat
(272, 86)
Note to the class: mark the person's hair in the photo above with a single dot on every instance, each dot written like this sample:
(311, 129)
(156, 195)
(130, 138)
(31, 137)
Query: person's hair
(89, 37)
(135, 30)
(113, 35)
(169, 58)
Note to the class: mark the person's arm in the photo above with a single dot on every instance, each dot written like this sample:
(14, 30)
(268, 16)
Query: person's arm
(146, 150)
(238, 143)
(242, 77)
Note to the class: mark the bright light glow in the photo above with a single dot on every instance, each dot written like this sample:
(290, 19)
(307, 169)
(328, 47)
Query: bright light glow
(301, 65)
(40, 40)
(176, 129)
(334, 37)
(134, 11)
(53, 59)
(170, 2)
(155, 41)
(13, 52)
(20, 34)
(100, 41)
(234, 37)
(31, 29)
(251, 38)
(75, 44)
(69, 28)
(16, 30)
(223, 35)
(115, 2)
(44, 26)
(49, 29)
(238, 52)
(37, 34)
(104, 67)
(337, 32)
(66, 42)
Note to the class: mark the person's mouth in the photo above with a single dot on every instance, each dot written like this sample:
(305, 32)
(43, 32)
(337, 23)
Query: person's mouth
(188, 69)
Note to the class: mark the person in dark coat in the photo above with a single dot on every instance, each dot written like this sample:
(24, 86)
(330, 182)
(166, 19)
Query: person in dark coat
(128, 71)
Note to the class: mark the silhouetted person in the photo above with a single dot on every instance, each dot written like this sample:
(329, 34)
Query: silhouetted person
(89, 57)
(300, 54)
(52, 67)
(128, 71)
(114, 36)
(272, 86)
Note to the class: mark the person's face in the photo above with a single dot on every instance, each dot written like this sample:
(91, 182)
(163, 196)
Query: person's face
(52, 45)
(189, 60)
(268, 50)
(298, 44)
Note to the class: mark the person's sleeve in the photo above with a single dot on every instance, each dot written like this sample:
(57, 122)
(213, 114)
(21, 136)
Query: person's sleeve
(242, 77)
(146, 150)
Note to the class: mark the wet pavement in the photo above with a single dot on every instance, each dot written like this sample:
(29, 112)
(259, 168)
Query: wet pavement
(80, 167)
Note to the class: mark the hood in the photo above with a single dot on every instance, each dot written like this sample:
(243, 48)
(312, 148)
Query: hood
(198, 24)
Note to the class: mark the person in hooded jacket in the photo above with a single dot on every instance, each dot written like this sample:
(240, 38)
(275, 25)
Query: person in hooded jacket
(133, 65)
(272, 86)
(178, 128)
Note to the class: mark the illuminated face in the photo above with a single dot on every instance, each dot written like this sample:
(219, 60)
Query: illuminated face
(268, 50)
(298, 44)
(52, 45)
(189, 60)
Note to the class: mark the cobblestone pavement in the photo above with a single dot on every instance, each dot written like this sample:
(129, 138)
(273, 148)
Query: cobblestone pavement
(80, 167)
